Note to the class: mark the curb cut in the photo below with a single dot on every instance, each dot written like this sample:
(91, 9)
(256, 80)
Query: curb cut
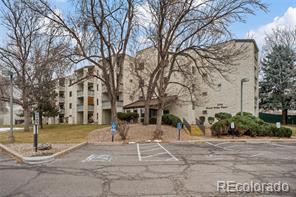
(41, 159)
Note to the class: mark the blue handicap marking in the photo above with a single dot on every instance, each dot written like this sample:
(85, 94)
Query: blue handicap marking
(179, 125)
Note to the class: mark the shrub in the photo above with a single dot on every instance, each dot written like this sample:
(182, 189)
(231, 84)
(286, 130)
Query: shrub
(223, 116)
(249, 125)
(244, 114)
(170, 119)
(220, 128)
(202, 119)
(282, 132)
(128, 116)
(211, 119)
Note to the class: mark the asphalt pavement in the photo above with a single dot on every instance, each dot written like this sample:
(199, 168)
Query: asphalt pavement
(154, 170)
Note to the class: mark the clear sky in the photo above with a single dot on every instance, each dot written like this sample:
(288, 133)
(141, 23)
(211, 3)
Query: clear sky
(280, 13)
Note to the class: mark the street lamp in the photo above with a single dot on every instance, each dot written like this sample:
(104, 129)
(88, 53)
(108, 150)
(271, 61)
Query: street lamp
(242, 82)
(10, 74)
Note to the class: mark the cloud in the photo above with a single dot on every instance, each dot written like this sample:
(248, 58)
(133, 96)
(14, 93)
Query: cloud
(288, 20)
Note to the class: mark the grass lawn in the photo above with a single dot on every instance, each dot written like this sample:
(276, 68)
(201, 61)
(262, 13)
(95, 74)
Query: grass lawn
(54, 134)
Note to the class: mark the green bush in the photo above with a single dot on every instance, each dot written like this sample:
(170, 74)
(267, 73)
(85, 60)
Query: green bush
(202, 119)
(211, 120)
(128, 116)
(220, 128)
(244, 114)
(249, 125)
(223, 116)
(170, 119)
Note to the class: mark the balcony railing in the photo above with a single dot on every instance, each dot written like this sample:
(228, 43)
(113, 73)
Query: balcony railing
(61, 99)
(80, 108)
(107, 104)
(81, 94)
(62, 111)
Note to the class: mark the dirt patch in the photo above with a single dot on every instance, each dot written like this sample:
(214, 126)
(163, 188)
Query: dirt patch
(139, 133)
(27, 150)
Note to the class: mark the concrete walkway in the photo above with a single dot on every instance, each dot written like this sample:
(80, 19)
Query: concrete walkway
(2, 130)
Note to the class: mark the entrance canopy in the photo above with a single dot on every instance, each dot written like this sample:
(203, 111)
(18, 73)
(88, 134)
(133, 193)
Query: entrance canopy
(153, 104)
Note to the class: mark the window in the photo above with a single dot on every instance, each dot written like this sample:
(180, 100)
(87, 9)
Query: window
(97, 87)
(204, 94)
(70, 94)
(131, 81)
(97, 116)
(204, 112)
(117, 98)
(97, 101)
(219, 85)
(70, 105)
(136, 111)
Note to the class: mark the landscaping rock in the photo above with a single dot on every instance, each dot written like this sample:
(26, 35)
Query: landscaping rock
(44, 147)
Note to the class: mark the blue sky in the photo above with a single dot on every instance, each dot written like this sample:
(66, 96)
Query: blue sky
(281, 12)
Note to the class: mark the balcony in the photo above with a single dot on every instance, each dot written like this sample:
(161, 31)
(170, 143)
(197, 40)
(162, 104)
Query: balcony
(61, 99)
(107, 104)
(61, 88)
(81, 94)
(80, 108)
(62, 111)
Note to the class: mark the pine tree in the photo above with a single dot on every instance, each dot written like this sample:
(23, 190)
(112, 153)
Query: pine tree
(277, 88)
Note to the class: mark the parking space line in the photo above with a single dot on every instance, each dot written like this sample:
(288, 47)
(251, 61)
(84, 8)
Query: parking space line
(215, 145)
(168, 152)
(144, 151)
(154, 155)
(153, 148)
(139, 154)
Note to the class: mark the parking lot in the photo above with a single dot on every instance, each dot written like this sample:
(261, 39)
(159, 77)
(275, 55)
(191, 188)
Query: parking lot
(187, 169)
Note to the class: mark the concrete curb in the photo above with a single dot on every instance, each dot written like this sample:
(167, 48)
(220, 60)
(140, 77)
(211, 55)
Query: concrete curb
(42, 159)
(15, 155)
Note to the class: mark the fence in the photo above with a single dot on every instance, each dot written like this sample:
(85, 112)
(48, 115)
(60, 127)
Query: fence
(273, 118)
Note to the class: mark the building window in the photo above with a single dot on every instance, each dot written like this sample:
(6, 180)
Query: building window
(219, 85)
(70, 94)
(97, 87)
(70, 105)
(204, 112)
(193, 70)
(97, 116)
(131, 81)
(136, 111)
(97, 101)
(117, 98)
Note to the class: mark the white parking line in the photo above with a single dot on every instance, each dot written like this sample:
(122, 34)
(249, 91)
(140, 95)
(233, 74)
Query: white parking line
(168, 152)
(154, 148)
(217, 146)
(139, 154)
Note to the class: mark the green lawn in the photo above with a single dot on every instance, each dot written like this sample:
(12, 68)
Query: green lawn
(54, 134)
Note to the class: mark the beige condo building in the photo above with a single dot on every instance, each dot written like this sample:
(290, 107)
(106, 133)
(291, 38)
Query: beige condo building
(86, 101)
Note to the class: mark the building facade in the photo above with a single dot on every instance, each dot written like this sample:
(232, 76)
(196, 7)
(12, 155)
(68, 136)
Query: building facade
(86, 101)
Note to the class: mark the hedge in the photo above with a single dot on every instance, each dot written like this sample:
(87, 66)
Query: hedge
(222, 116)
(170, 119)
(249, 125)
(128, 116)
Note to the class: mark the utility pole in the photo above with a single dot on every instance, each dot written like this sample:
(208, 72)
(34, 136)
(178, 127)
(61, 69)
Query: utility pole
(11, 136)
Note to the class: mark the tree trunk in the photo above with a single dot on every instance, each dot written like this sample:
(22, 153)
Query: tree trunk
(27, 118)
(158, 132)
(146, 112)
(284, 116)
(113, 110)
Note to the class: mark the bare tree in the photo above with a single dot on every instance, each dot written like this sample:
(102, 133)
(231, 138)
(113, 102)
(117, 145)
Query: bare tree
(100, 32)
(30, 50)
(195, 31)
